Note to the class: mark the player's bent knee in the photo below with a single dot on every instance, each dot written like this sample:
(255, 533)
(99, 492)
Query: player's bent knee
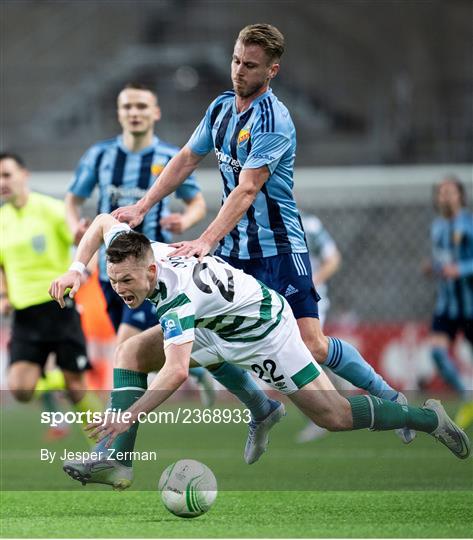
(22, 394)
(21, 390)
(318, 347)
(127, 357)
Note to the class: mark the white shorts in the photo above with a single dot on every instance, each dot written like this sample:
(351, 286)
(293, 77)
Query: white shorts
(280, 359)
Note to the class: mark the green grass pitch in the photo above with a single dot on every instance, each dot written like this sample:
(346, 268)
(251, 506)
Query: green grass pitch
(347, 485)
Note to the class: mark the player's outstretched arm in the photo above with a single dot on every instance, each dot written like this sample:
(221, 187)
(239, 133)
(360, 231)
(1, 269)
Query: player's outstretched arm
(167, 381)
(88, 245)
(172, 176)
(233, 209)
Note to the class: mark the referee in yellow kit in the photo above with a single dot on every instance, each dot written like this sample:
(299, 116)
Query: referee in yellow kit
(35, 247)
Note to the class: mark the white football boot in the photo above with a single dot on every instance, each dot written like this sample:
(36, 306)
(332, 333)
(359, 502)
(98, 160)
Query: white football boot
(447, 432)
(258, 439)
(207, 390)
(312, 432)
(103, 471)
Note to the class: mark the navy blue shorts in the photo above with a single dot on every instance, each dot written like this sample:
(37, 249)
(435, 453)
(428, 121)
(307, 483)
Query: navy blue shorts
(143, 317)
(451, 327)
(289, 274)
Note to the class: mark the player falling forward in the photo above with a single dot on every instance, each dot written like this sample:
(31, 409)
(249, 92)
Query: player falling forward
(210, 311)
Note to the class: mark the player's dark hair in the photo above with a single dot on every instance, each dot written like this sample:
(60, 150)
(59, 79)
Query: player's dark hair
(128, 244)
(16, 158)
(139, 86)
(266, 36)
(451, 179)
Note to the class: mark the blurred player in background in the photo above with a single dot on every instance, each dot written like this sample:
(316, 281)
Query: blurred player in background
(123, 168)
(325, 260)
(452, 265)
(36, 244)
(258, 226)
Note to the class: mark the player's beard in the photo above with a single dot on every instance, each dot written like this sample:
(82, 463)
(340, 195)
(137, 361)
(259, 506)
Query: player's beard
(247, 91)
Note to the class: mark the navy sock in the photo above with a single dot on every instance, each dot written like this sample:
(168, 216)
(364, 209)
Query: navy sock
(344, 360)
(240, 383)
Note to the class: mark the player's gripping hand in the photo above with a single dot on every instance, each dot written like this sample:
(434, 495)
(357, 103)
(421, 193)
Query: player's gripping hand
(133, 214)
(109, 428)
(193, 248)
(175, 223)
(70, 280)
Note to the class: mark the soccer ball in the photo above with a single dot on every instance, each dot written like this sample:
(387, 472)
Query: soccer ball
(188, 488)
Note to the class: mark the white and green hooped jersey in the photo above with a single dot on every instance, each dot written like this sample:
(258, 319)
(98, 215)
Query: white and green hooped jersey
(210, 294)
(229, 315)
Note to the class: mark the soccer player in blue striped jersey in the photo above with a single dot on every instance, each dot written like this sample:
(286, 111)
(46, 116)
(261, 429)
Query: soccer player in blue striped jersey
(452, 265)
(258, 226)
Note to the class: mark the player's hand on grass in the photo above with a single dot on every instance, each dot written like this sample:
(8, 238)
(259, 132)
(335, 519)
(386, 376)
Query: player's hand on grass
(70, 280)
(133, 214)
(175, 223)
(192, 248)
(108, 428)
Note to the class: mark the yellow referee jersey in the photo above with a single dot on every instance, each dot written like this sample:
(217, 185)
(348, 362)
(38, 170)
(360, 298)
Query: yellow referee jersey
(35, 247)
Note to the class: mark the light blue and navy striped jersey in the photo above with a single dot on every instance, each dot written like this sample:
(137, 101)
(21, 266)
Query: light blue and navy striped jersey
(123, 177)
(321, 246)
(262, 135)
(452, 242)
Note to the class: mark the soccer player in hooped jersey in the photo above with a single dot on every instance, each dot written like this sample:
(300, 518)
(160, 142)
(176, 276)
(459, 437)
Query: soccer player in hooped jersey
(212, 312)
(258, 227)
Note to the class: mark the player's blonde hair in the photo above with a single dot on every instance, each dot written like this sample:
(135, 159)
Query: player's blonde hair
(268, 37)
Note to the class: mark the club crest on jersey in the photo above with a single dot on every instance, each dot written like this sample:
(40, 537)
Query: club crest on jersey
(243, 136)
(171, 325)
(156, 168)
(38, 243)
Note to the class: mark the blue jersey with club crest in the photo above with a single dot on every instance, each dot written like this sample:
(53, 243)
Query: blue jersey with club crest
(263, 135)
(123, 177)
